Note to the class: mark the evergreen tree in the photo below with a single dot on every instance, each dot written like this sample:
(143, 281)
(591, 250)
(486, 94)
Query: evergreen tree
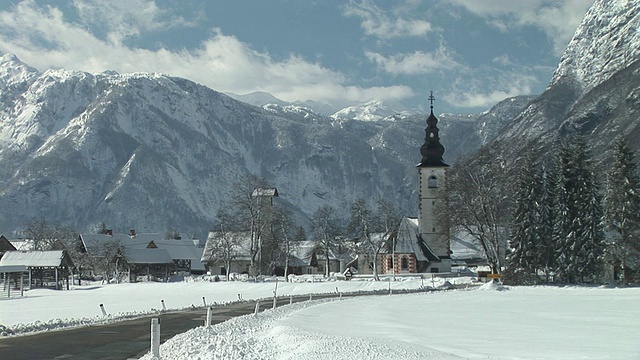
(545, 255)
(590, 247)
(522, 259)
(563, 213)
(578, 215)
(622, 209)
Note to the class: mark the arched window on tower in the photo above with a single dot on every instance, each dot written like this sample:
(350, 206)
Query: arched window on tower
(432, 182)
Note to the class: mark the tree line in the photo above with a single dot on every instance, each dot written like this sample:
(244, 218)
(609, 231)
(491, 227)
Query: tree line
(558, 219)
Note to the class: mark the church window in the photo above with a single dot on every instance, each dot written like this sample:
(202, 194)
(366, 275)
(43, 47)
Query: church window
(405, 263)
(432, 183)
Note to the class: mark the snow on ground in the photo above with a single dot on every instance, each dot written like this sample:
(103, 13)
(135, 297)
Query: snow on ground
(476, 323)
(517, 323)
(44, 309)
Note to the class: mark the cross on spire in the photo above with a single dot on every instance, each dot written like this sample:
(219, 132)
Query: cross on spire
(431, 99)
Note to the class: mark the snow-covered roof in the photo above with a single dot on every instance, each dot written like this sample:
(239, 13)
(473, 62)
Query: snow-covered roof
(269, 192)
(179, 250)
(465, 246)
(31, 259)
(176, 249)
(93, 240)
(22, 244)
(148, 256)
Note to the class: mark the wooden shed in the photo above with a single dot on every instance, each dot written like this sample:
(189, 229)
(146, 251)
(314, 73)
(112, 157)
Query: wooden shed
(43, 268)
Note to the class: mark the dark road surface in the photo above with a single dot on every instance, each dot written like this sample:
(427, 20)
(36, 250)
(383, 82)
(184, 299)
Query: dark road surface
(122, 340)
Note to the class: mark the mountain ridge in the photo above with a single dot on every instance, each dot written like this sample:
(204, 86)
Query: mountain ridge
(155, 152)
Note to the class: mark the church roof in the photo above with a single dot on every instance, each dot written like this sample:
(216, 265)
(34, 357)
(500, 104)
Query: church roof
(409, 241)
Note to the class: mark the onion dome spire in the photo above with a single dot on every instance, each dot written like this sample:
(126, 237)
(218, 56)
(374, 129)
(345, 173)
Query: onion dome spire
(432, 150)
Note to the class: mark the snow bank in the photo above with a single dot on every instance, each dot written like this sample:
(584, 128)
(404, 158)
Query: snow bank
(522, 323)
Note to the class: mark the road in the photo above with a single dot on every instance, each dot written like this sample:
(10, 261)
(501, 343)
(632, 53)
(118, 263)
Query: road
(122, 340)
(131, 339)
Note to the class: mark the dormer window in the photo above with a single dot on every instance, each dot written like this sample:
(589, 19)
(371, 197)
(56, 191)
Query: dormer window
(432, 182)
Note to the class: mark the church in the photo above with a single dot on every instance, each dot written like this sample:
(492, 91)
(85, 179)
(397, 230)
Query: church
(422, 244)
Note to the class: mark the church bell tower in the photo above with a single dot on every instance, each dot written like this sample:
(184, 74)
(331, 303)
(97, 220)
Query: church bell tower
(432, 173)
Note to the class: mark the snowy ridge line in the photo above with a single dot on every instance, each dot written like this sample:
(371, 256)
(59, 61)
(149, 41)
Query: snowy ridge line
(71, 323)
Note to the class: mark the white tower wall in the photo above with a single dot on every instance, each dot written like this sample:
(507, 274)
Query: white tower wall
(431, 181)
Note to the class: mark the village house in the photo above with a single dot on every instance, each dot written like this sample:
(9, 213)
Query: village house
(145, 254)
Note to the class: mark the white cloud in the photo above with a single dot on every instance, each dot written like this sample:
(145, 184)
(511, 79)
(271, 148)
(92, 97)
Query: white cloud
(487, 89)
(376, 22)
(502, 60)
(558, 19)
(126, 18)
(415, 63)
(43, 38)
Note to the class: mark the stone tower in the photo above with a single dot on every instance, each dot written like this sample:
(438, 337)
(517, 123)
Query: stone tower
(432, 173)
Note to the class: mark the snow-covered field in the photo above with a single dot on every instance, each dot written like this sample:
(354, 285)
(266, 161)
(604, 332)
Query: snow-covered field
(475, 323)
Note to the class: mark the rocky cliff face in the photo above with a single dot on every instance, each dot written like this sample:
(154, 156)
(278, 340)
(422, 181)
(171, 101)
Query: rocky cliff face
(154, 152)
(595, 89)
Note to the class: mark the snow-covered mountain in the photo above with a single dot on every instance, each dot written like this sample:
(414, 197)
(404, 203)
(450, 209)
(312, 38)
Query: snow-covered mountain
(261, 98)
(374, 110)
(595, 90)
(155, 152)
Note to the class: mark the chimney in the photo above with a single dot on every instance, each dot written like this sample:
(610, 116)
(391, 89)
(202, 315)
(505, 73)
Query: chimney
(132, 233)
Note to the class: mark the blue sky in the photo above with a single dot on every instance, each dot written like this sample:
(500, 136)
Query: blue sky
(471, 53)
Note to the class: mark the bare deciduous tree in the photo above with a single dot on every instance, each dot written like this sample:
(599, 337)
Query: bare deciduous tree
(478, 196)
(253, 215)
(224, 246)
(326, 228)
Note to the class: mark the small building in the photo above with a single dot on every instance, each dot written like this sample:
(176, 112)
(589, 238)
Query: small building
(148, 263)
(235, 247)
(43, 268)
(307, 259)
